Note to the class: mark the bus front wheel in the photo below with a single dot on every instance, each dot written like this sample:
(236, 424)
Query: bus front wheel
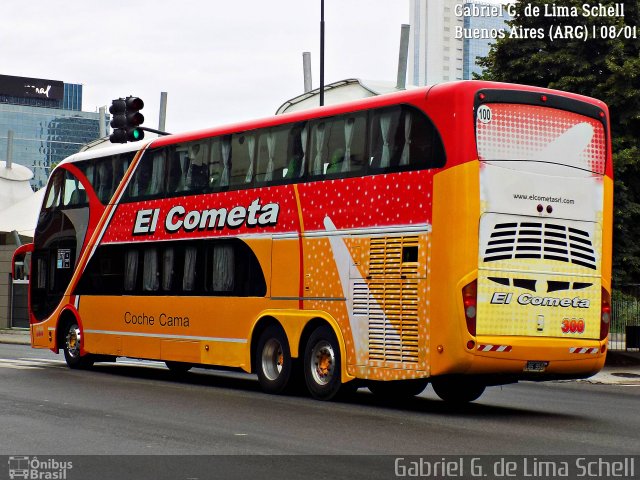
(322, 366)
(273, 360)
(72, 347)
(457, 390)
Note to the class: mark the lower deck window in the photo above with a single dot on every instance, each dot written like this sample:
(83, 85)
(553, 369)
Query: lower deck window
(203, 267)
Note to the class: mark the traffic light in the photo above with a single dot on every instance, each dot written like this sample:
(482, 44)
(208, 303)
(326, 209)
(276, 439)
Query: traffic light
(126, 120)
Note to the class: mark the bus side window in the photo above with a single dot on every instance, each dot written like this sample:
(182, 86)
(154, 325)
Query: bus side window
(318, 148)
(178, 169)
(74, 192)
(423, 145)
(215, 164)
(158, 165)
(167, 269)
(403, 137)
(243, 147)
(222, 267)
(54, 194)
(130, 270)
(297, 151)
(150, 271)
(272, 154)
(189, 271)
(198, 172)
(384, 131)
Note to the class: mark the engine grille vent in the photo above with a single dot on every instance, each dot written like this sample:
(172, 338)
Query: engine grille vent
(392, 310)
(540, 240)
(393, 257)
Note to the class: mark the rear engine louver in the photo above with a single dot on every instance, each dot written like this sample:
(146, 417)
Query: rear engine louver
(546, 241)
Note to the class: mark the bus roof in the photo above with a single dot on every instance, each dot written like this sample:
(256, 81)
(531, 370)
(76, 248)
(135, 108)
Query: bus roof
(104, 151)
(467, 87)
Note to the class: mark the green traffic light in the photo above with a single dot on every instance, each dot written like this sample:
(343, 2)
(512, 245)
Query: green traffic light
(136, 134)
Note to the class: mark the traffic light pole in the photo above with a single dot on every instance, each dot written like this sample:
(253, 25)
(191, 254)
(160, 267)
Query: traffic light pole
(153, 130)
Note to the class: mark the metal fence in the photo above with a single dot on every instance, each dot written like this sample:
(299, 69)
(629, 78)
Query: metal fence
(625, 318)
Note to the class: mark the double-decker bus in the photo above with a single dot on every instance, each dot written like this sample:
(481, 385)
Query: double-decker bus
(458, 234)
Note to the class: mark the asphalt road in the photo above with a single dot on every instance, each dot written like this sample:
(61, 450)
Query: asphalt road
(140, 408)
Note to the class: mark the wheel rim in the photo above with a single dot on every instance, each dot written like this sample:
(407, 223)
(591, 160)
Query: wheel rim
(272, 359)
(323, 362)
(73, 341)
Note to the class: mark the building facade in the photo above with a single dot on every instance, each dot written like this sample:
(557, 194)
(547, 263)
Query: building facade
(476, 48)
(47, 120)
(435, 54)
(438, 52)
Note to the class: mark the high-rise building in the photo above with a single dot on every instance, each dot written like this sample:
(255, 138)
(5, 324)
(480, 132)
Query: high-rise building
(47, 120)
(435, 54)
(437, 51)
(475, 48)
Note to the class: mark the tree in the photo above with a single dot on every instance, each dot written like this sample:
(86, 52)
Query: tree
(604, 68)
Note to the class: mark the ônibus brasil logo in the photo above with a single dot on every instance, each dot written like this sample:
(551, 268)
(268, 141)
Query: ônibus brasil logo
(38, 469)
(178, 218)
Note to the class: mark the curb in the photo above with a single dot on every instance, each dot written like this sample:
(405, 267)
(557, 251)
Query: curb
(622, 359)
(15, 337)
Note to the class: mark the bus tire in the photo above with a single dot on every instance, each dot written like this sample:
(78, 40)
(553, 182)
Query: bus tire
(322, 364)
(398, 388)
(72, 344)
(457, 390)
(179, 368)
(273, 360)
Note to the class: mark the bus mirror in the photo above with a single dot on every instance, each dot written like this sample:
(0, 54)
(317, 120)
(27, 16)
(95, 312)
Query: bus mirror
(21, 267)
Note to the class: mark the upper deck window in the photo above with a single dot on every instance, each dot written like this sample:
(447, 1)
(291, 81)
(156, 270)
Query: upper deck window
(404, 138)
(376, 141)
(105, 174)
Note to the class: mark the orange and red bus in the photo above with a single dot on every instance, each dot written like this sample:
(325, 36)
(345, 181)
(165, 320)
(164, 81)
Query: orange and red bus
(458, 234)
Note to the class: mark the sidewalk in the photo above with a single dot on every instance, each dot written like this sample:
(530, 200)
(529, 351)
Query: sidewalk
(16, 336)
(622, 368)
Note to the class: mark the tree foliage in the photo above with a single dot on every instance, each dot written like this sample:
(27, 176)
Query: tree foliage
(604, 68)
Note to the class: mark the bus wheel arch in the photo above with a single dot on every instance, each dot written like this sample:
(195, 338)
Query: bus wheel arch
(69, 339)
(322, 359)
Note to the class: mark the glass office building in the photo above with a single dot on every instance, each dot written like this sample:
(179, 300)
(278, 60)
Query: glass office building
(475, 48)
(47, 120)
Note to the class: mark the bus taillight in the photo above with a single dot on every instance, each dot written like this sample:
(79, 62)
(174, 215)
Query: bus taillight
(469, 300)
(605, 317)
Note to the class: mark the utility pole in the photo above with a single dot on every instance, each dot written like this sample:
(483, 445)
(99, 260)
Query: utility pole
(402, 59)
(163, 111)
(306, 68)
(9, 149)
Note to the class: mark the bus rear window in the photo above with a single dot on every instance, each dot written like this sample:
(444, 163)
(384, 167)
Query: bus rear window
(541, 136)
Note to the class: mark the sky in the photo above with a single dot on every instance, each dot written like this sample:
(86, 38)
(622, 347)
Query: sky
(221, 61)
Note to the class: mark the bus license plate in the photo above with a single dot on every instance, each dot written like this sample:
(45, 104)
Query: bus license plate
(535, 366)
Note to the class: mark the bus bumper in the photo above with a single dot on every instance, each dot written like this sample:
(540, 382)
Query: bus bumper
(537, 358)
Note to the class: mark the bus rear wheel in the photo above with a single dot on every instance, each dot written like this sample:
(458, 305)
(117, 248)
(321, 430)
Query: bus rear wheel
(457, 390)
(273, 360)
(72, 345)
(322, 367)
(398, 388)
